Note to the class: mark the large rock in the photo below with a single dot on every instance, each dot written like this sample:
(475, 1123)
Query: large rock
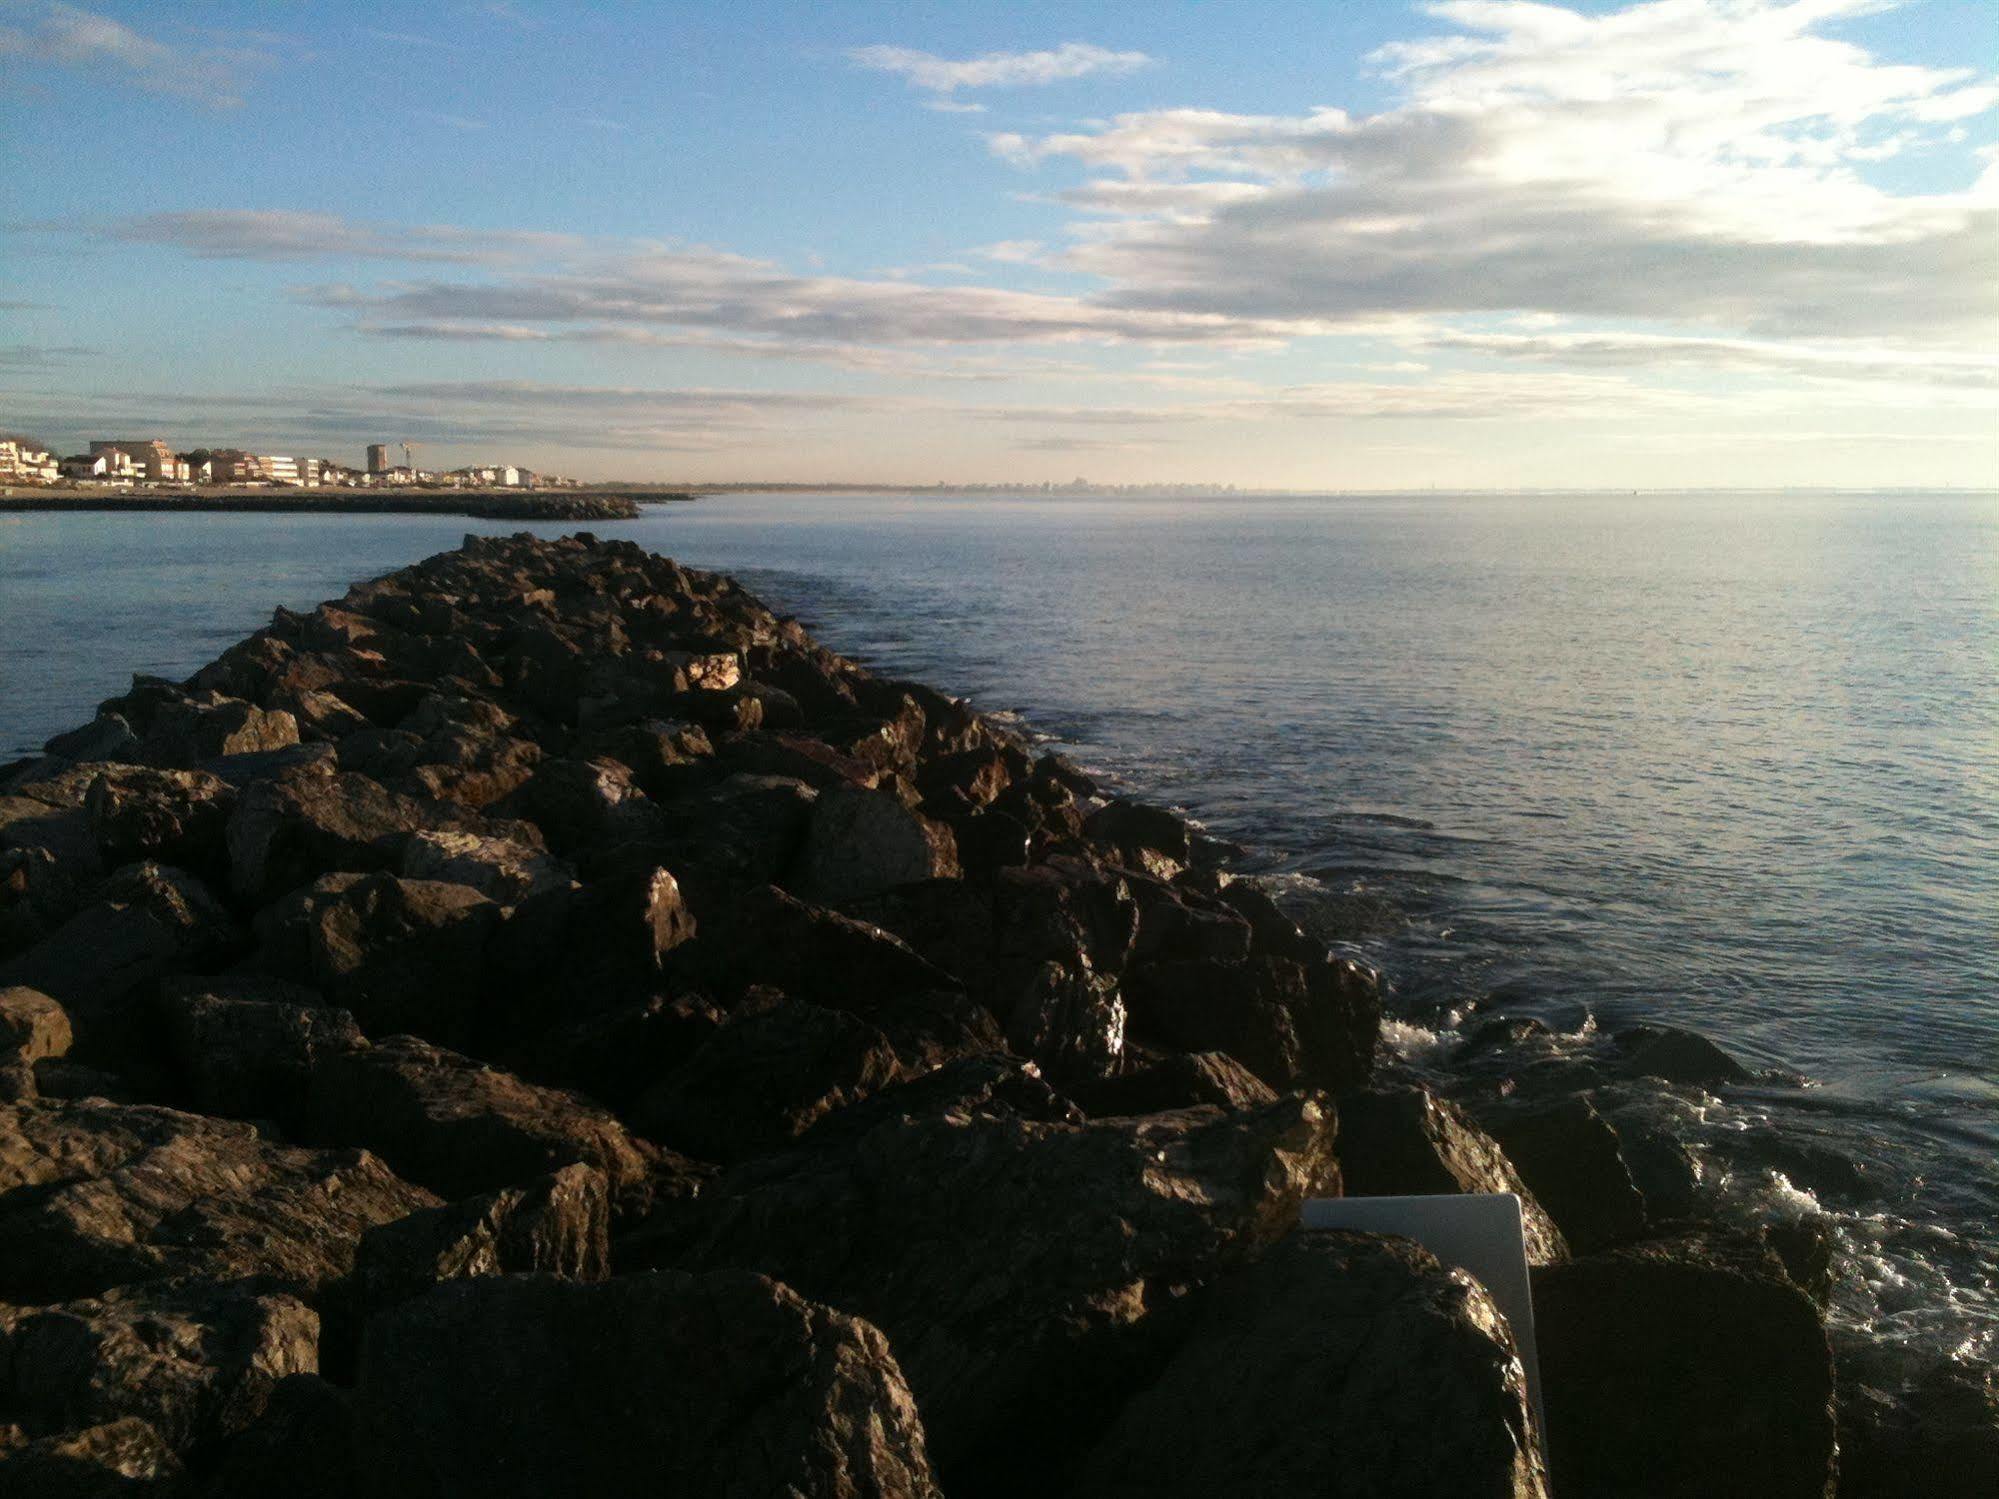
(1407, 1142)
(861, 843)
(402, 955)
(248, 1052)
(461, 1127)
(170, 816)
(1677, 1056)
(284, 834)
(148, 920)
(1338, 1364)
(497, 868)
(734, 836)
(195, 1361)
(1569, 1154)
(813, 954)
(1684, 1368)
(1290, 1023)
(764, 1078)
(122, 1459)
(558, 1224)
(723, 1384)
(1943, 1427)
(581, 803)
(95, 1194)
(32, 1026)
(1017, 1281)
(301, 1446)
(188, 730)
(1181, 1080)
(619, 1055)
(572, 953)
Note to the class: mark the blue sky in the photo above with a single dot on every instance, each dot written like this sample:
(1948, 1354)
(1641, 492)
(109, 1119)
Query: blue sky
(1688, 242)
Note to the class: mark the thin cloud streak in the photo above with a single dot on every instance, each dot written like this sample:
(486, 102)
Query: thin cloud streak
(944, 75)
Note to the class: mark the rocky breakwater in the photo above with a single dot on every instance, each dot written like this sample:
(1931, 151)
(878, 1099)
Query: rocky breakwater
(543, 1025)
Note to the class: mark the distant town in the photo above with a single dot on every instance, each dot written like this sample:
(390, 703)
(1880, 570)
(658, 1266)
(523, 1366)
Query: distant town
(149, 463)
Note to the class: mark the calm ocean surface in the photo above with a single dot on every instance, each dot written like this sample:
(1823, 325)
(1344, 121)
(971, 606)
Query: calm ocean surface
(1728, 761)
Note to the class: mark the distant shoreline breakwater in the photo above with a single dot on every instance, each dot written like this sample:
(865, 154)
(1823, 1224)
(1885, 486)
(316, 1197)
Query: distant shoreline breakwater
(496, 504)
(918, 1118)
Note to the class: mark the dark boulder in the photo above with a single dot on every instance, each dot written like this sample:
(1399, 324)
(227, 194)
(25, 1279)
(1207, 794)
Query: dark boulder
(1941, 1432)
(248, 1051)
(1070, 1021)
(1146, 838)
(148, 920)
(1677, 1056)
(96, 1194)
(619, 1054)
(122, 1459)
(1569, 1156)
(301, 1446)
(664, 756)
(758, 752)
(1682, 1368)
(108, 737)
(724, 1384)
(462, 1128)
(1338, 1364)
(1288, 1022)
(580, 804)
(1018, 1281)
(1177, 1080)
(732, 837)
(1176, 924)
(286, 834)
(764, 1078)
(777, 941)
(401, 955)
(188, 730)
(554, 1225)
(498, 868)
(860, 843)
(195, 1361)
(1407, 1142)
(569, 954)
(172, 816)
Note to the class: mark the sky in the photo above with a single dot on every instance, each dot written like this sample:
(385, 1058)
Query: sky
(1681, 243)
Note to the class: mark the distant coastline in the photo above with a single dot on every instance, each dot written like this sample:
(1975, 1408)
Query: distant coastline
(496, 504)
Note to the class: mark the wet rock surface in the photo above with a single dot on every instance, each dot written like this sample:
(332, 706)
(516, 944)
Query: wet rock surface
(541, 1024)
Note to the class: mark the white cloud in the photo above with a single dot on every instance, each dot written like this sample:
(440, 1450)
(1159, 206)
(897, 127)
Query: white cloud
(1623, 350)
(1675, 161)
(1012, 251)
(68, 36)
(944, 75)
(693, 288)
(281, 234)
(471, 414)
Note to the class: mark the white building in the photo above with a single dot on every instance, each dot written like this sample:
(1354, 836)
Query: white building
(25, 461)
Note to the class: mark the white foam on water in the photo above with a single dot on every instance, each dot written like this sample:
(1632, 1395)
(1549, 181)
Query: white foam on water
(1418, 1044)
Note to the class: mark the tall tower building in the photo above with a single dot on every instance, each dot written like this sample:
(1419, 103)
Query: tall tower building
(378, 458)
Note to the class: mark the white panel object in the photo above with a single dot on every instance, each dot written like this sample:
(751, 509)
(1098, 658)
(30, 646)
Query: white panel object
(1478, 1232)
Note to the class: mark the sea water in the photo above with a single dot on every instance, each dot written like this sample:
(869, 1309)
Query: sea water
(1724, 761)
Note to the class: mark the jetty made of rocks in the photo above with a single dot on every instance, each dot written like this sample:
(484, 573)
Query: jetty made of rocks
(486, 504)
(542, 1025)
